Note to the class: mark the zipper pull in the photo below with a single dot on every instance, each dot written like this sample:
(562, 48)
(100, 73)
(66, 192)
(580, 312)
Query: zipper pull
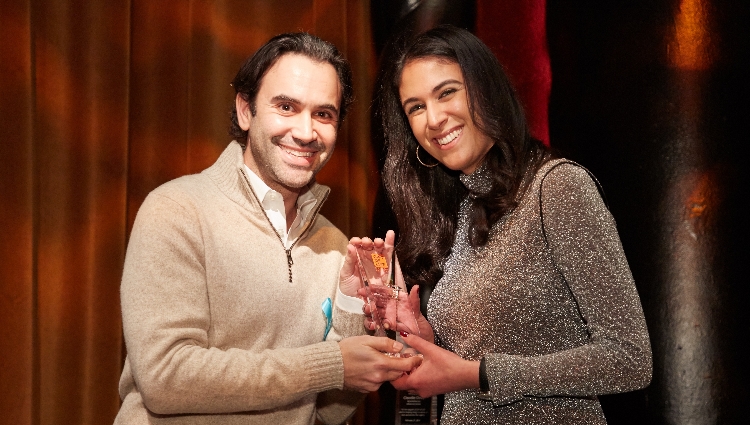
(289, 263)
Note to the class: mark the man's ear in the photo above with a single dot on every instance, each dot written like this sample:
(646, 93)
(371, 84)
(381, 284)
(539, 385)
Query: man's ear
(244, 115)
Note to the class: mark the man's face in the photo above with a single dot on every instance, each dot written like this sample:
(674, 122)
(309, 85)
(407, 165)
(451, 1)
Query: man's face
(293, 132)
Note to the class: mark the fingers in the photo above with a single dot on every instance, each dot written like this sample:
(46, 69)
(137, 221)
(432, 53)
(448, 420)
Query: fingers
(385, 345)
(398, 277)
(367, 243)
(362, 292)
(414, 301)
(400, 365)
(350, 261)
(365, 365)
(390, 239)
(349, 280)
(370, 325)
(415, 342)
(377, 243)
(401, 383)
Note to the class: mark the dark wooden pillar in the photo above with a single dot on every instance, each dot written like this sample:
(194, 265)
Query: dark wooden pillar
(652, 97)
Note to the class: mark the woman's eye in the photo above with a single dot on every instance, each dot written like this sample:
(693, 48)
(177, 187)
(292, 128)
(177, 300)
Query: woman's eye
(447, 92)
(414, 109)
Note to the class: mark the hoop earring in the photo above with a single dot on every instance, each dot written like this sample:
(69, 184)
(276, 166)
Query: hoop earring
(420, 161)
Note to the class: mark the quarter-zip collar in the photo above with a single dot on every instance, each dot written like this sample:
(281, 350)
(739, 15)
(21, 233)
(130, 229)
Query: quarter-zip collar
(229, 174)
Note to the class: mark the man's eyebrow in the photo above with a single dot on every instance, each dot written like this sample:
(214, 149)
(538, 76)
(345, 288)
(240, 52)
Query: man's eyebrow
(434, 89)
(284, 98)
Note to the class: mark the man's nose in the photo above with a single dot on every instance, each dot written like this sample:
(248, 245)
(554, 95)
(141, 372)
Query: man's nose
(303, 129)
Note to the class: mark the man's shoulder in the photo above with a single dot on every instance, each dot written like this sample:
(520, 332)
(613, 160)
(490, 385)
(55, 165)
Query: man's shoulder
(221, 173)
(187, 186)
(326, 232)
(191, 192)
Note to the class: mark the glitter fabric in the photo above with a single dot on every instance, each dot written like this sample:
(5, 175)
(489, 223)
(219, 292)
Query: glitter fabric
(557, 323)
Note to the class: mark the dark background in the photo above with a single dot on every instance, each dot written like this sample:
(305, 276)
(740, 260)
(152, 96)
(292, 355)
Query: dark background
(652, 97)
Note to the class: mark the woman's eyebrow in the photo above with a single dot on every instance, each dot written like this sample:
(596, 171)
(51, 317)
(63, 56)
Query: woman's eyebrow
(434, 89)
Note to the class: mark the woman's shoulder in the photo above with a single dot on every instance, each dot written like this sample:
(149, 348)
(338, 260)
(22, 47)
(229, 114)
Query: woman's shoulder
(561, 171)
(562, 177)
(565, 184)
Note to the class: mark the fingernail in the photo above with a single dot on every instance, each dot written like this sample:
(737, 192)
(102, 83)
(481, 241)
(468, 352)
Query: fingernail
(386, 325)
(404, 334)
(398, 346)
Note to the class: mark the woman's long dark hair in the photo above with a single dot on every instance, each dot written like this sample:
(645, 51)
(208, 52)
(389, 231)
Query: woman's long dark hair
(426, 200)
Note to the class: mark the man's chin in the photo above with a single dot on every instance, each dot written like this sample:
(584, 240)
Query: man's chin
(298, 180)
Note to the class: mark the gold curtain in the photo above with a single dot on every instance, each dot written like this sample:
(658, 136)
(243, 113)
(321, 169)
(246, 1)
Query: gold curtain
(100, 102)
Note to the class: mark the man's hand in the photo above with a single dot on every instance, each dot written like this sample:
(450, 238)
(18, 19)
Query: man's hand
(349, 278)
(366, 365)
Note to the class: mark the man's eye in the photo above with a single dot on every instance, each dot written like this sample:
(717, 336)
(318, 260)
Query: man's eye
(286, 107)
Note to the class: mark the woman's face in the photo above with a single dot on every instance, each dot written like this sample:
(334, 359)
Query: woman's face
(435, 100)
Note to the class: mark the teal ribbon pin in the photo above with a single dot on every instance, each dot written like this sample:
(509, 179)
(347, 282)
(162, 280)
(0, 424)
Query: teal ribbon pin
(328, 311)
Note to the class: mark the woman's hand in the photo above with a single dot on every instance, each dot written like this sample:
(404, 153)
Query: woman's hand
(402, 316)
(408, 316)
(441, 371)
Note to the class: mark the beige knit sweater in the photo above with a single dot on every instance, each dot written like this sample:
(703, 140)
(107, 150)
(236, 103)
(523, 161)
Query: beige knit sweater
(214, 330)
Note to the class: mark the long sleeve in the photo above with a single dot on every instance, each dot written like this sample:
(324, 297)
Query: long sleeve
(335, 406)
(615, 355)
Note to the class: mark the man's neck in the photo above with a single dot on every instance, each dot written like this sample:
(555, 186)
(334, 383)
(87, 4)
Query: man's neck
(288, 195)
(290, 206)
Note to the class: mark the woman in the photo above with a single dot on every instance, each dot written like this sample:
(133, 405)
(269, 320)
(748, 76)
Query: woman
(534, 309)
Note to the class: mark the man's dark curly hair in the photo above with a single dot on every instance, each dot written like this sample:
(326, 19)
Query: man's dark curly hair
(248, 79)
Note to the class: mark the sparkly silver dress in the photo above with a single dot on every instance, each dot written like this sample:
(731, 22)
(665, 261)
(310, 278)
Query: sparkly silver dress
(558, 319)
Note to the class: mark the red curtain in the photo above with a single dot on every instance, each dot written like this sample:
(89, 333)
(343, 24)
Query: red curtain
(516, 33)
(100, 102)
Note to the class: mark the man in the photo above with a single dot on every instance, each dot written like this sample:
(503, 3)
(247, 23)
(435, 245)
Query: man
(226, 271)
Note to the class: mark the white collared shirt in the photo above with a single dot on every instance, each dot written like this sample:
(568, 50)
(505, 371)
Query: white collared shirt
(273, 205)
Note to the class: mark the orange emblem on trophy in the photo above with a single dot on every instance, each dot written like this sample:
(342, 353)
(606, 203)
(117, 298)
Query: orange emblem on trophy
(379, 261)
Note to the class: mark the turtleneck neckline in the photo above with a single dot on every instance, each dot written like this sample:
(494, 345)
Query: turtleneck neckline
(478, 182)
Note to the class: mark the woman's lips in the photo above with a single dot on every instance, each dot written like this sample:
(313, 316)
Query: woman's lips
(449, 137)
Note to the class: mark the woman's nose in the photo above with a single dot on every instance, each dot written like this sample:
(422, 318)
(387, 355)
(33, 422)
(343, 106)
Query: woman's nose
(435, 117)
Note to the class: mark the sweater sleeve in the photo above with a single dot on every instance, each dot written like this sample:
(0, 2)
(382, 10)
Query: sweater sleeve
(587, 251)
(336, 406)
(166, 319)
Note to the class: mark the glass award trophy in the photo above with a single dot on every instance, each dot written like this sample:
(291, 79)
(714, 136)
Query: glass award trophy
(389, 303)
(387, 296)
